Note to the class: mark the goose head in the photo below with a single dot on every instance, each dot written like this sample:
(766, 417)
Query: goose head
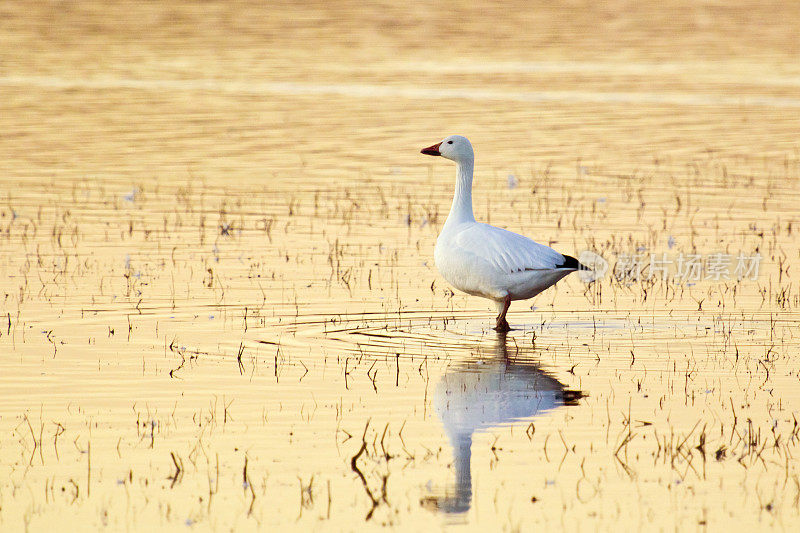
(455, 148)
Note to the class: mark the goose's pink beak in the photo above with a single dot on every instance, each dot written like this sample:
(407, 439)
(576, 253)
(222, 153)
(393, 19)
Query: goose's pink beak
(431, 150)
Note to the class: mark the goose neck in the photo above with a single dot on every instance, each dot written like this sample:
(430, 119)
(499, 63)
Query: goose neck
(461, 210)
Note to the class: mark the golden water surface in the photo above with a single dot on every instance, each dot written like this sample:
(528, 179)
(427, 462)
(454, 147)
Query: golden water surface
(219, 304)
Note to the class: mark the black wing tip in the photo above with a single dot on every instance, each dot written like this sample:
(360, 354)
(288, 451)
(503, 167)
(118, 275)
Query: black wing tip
(572, 264)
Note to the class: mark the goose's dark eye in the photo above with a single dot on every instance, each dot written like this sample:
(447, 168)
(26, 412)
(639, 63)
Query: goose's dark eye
(449, 142)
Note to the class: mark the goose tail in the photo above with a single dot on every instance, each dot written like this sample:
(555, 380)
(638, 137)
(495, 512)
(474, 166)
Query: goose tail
(570, 263)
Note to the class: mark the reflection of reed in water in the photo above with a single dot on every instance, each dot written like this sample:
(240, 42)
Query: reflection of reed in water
(485, 393)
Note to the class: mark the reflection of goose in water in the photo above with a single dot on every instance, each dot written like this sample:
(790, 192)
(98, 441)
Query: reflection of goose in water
(486, 393)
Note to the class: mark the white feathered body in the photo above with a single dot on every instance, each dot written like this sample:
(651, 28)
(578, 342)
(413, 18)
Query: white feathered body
(491, 262)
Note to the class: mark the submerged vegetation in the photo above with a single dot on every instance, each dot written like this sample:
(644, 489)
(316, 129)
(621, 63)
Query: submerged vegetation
(173, 347)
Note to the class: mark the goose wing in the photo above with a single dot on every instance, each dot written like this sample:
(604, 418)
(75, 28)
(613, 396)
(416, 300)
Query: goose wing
(509, 252)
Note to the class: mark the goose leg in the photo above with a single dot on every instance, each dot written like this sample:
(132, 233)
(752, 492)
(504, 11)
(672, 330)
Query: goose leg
(502, 324)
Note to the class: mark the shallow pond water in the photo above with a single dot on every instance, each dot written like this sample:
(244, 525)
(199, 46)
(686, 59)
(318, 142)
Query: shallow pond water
(219, 304)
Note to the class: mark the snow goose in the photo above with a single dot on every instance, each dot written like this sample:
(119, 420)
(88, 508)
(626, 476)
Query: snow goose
(486, 261)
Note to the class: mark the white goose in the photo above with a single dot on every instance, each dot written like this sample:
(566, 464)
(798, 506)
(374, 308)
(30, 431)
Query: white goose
(486, 261)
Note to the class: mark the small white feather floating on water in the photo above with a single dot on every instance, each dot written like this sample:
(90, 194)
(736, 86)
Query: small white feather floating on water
(486, 261)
